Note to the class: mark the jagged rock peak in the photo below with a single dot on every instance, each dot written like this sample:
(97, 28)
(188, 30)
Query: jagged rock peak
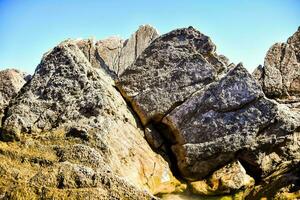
(280, 75)
(115, 54)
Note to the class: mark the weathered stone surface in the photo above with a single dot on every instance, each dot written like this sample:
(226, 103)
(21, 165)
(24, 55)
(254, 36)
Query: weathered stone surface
(226, 180)
(115, 54)
(280, 75)
(282, 184)
(294, 40)
(222, 119)
(109, 51)
(69, 95)
(11, 81)
(72, 135)
(212, 112)
(218, 121)
(275, 164)
(258, 74)
(31, 171)
(277, 144)
(135, 45)
(172, 68)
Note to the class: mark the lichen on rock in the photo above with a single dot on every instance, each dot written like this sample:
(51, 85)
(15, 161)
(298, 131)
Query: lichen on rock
(99, 131)
(194, 124)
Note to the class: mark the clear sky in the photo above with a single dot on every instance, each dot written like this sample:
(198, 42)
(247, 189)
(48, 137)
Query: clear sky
(243, 30)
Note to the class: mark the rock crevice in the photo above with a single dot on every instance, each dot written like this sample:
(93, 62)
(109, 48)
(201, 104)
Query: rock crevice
(150, 115)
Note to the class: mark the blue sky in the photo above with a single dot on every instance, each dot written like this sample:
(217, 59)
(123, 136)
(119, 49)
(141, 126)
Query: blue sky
(243, 30)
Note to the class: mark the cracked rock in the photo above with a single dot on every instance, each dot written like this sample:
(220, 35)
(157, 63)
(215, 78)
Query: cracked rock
(280, 75)
(68, 95)
(115, 54)
(173, 67)
(11, 81)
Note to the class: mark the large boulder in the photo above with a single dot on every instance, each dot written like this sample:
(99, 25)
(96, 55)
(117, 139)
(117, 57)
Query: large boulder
(172, 68)
(215, 123)
(208, 112)
(11, 81)
(71, 111)
(231, 119)
(280, 75)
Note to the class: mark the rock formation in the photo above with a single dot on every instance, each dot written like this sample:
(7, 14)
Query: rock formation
(209, 112)
(87, 127)
(280, 75)
(279, 78)
(11, 81)
(116, 54)
(172, 68)
(193, 124)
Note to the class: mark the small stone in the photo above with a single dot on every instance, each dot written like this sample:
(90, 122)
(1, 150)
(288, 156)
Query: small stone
(226, 180)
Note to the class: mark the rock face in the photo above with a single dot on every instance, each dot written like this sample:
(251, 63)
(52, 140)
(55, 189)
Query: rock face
(280, 78)
(280, 75)
(209, 112)
(116, 54)
(135, 45)
(83, 121)
(217, 122)
(172, 68)
(11, 81)
(69, 134)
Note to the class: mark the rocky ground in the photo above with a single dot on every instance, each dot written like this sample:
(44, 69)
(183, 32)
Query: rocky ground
(151, 117)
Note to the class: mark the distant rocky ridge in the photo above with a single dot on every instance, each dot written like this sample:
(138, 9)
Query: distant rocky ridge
(193, 124)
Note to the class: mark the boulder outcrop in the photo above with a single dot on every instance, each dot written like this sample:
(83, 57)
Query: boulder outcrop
(172, 68)
(72, 111)
(11, 81)
(280, 75)
(190, 113)
(208, 112)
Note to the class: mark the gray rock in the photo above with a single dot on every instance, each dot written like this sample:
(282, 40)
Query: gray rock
(11, 81)
(135, 45)
(212, 115)
(216, 122)
(280, 75)
(258, 74)
(90, 122)
(109, 51)
(172, 68)
(115, 54)
(294, 40)
(277, 145)
(226, 117)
